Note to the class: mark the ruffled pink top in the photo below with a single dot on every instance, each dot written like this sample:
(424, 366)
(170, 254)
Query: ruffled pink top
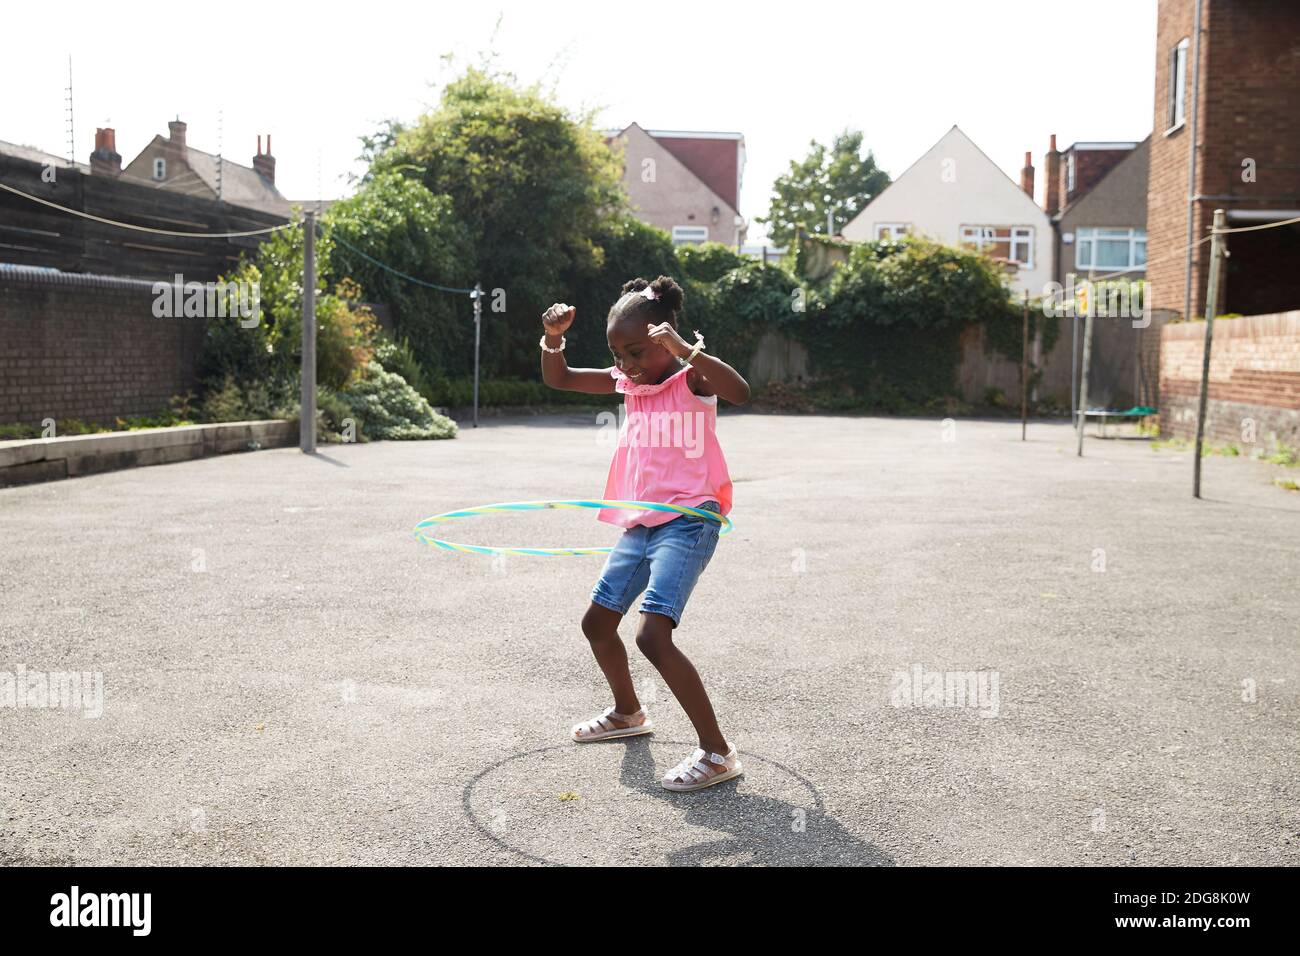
(667, 452)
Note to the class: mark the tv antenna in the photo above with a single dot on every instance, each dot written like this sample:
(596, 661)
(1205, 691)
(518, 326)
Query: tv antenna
(72, 140)
(219, 149)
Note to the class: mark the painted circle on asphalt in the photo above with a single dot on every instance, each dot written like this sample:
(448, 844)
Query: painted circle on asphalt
(589, 804)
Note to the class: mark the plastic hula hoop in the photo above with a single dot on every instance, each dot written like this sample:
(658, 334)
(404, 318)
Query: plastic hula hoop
(422, 530)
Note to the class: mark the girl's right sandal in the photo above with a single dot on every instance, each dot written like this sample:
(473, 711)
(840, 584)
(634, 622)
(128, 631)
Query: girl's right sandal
(697, 771)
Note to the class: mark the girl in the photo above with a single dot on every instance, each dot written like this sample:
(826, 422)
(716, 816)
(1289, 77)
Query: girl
(667, 453)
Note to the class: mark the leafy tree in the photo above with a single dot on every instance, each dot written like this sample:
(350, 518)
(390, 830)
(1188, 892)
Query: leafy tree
(393, 219)
(839, 180)
(373, 144)
(533, 185)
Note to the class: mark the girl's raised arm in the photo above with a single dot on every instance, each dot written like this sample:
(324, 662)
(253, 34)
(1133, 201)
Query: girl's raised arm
(555, 370)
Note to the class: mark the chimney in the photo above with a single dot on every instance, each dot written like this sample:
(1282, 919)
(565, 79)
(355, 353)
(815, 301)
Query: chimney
(176, 129)
(105, 160)
(1052, 201)
(1027, 176)
(264, 163)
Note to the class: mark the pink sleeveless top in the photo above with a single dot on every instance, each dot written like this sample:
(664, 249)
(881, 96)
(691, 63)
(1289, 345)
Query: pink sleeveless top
(667, 451)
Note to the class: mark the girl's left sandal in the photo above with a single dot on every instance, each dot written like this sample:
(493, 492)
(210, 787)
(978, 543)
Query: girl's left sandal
(603, 728)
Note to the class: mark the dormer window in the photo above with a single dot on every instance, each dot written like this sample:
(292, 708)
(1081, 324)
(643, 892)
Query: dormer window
(160, 169)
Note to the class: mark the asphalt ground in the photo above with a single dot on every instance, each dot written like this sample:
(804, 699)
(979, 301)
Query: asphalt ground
(289, 678)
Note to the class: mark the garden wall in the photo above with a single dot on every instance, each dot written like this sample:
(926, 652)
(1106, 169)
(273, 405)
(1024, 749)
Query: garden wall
(1254, 380)
(88, 347)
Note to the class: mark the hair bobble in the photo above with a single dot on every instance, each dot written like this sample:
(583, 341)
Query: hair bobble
(648, 293)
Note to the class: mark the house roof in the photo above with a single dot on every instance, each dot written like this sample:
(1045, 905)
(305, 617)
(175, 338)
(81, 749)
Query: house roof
(240, 185)
(715, 158)
(1134, 150)
(32, 154)
(1110, 144)
(954, 129)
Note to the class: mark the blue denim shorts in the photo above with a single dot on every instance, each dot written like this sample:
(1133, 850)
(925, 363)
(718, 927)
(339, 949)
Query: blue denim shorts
(664, 561)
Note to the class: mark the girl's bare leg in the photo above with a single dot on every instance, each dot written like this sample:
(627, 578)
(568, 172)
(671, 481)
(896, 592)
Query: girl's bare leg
(655, 639)
(600, 625)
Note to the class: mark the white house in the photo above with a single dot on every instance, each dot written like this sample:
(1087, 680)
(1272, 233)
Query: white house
(956, 195)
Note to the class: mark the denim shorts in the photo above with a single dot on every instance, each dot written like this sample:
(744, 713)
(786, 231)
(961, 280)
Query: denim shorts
(664, 561)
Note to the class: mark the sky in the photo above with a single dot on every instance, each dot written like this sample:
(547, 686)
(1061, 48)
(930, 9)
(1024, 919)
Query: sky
(316, 77)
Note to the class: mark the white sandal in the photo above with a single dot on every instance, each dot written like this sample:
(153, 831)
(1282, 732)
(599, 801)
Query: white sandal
(602, 728)
(694, 773)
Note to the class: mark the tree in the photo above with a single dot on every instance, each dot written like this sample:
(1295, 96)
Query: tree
(838, 180)
(392, 218)
(533, 186)
(375, 143)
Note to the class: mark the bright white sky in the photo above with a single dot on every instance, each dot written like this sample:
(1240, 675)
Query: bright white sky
(316, 76)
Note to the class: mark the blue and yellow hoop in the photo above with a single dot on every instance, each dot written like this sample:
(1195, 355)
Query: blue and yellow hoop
(421, 532)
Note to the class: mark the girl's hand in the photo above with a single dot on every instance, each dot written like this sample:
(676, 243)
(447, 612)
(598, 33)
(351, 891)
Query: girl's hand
(558, 318)
(665, 335)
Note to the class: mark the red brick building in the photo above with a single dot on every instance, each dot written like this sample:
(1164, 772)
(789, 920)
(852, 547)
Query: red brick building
(1232, 87)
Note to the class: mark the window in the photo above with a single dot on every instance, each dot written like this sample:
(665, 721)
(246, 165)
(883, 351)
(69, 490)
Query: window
(1069, 172)
(689, 235)
(1177, 85)
(1013, 243)
(893, 230)
(160, 169)
(1122, 250)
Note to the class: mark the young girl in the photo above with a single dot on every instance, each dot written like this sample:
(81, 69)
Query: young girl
(667, 453)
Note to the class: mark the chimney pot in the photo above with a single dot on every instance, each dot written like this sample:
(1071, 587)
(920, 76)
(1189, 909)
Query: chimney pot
(1027, 175)
(1052, 195)
(105, 160)
(264, 163)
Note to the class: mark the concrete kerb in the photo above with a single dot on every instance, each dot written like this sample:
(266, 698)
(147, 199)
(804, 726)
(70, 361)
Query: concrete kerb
(44, 459)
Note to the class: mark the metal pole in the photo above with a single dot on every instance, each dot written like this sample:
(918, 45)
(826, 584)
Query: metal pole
(1074, 350)
(478, 316)
(1024, 368)
(307, 405)
(1217, 252)
(1083, 372)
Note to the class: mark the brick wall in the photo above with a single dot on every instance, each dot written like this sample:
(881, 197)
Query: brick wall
(1167, 175)
(89, 347)
(1254, 378)
(1249, 75)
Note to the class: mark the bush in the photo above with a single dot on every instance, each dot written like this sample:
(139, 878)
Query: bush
(739, 308)
(234, 401)
(708, 262)
(889, 320)
(333, 417)
(399, 358)
(385, 407)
